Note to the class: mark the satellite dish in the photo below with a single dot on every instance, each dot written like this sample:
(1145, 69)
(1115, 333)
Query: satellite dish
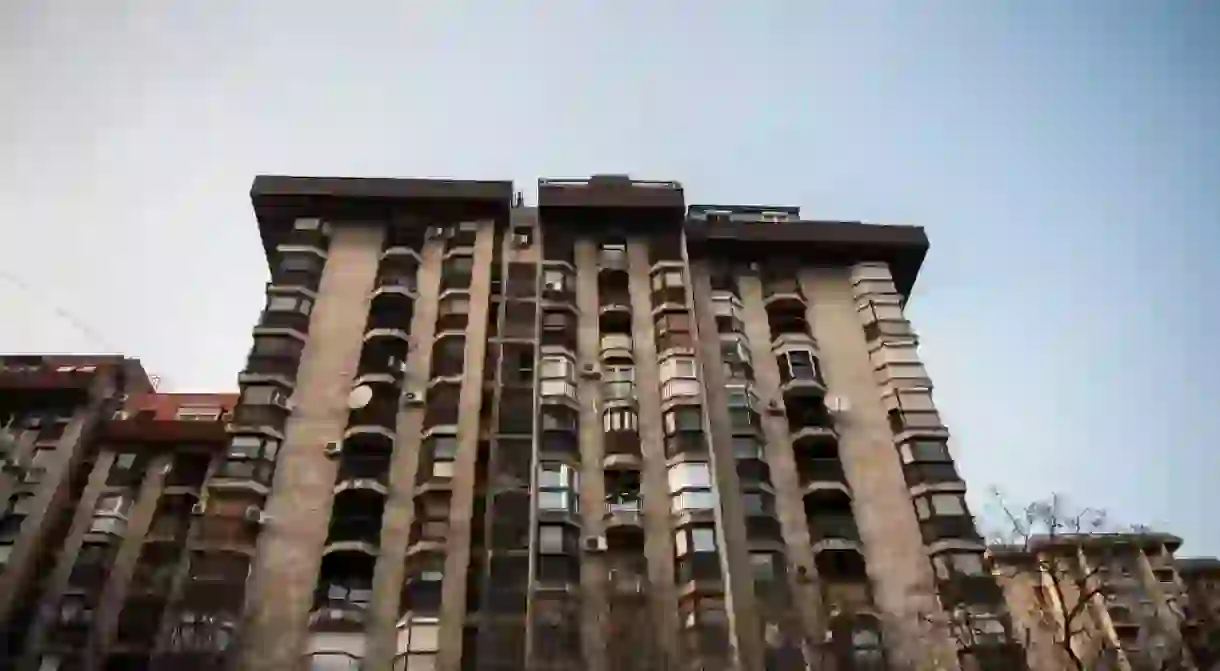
(360, 397)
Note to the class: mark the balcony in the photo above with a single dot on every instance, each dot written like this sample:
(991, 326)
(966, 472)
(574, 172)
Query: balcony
(344, 592)
(453, 311)
(783, 292)
(621, 443)
(810, 423)
(169, 527)
(298, 269)
(400, 257)
(382, 361)
(614, 314)
(357, 531)
(622, 489)
(821, 470)
(279, 366)
(844, 578)
(287, 309)
(260, 417)
(225, 533)
(830, 520)
(254, 475)
(668, 286)
(949, 528)
(800, 372)
(612, 258)
(559, 325)
(616, 348)
(368, 471)
(391, 308)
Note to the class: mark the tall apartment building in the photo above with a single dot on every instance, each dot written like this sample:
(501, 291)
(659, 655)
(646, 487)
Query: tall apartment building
(101, 475)
(608, 432)
(1128, 603)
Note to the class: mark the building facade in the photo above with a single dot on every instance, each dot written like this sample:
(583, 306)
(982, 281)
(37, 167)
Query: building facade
(1122, 601)
(612, 431)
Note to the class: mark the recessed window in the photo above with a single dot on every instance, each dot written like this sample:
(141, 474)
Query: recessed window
(925, 450)
(940, 505)
(557, 487)
(289, 303)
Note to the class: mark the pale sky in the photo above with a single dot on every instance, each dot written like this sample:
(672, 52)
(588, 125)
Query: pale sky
(1062, 156)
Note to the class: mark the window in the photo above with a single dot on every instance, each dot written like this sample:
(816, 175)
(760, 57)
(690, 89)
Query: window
(307, 224)
(683, 419)
(676, 322)
(114, 526)
(955, 564)
(112, 505)
(301, 263)
(669, 279)
(418, 643)
(198, 413)
(694, 539)
(334, 651)
(253, 447)
(940, 505)
(866, 648)
(620, 419)
(556, 376)
(454, 305)
(277, 346)
(741, 396)
(689, 474)
(125, 470)
(554, 280)
(259, 395)
(551, 539)
(442, 450)
(289, 303)
(677, 366)
(925, 450)
(747, 447)
(875, 311)
(798, 365)
(125, 461)
(557, 485)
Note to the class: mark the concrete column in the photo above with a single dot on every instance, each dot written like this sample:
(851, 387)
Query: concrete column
(285, 571)
(399, 510)
(654, 486)
(746, 629)
(453, 591)
(110, 605)
(57, 583)
(897, 564)
(789, 503)
(592, 478)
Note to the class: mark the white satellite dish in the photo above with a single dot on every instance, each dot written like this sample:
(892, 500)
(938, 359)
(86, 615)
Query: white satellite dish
(360, 397)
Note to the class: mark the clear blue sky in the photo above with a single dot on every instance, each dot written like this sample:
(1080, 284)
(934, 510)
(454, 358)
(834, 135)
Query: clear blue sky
(1063, 156)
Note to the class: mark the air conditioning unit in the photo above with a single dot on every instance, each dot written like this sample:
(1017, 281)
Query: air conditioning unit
(774, 407)
(838, 405)
(595, 544)
(590, 370)
(199, 508)
(255, 515)
(333, 449)
(412, 397)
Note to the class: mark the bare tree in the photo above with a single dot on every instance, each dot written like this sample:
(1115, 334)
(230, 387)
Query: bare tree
(1066, 557)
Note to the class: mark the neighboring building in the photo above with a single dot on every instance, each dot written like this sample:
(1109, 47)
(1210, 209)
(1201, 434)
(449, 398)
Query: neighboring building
(1119, 593)
(609, 432)
(99, 491)
(1201, 577)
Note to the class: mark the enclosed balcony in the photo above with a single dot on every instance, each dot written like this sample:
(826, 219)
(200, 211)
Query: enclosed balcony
(616, 349)
(263, 406)
(301, 269)
(448, 356)
(382, 360)
(819, 468)
(927, 463)
(344, 592)
(558, 496)
(560, 424)
(781, 287)
(697, 563)
(457, 269)
(788, 323)
(228, 532)
(558, 557)
(355, 521)
(674, 332)
(627, 572)
(614, 298)
(558, 282)
(430, 524)
(254, 474)
(311, 233)
(612, 257)
(437, 458)
(400, 256)
(762, 519)
(622, 489)
(559, 325)
(421, 589)
(668, 285)
(831, 522)
(943, 516)
(621, 442)
(729, 313)
(684, 431)
(274, 355)
(843, 577)
(557, 378)
(287, 308)
(452, 311)
(809, 422)
(800, 373)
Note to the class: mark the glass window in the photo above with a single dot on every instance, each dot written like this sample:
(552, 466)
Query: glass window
(554, 279)
(198, 413)
(747, 447)
(683, 419)
(555, 475)
(260, 395)
(442, 469)
(300, 263)
(922, 509)
(949, 565)
(677, 367)
(925, 450)
(703, 540)
(442, 447)
(762, 566)
(112, 505)
(948, 504)
(689, 474)
(557, 367)
(245, 447)
(696, 499)
(550, 539)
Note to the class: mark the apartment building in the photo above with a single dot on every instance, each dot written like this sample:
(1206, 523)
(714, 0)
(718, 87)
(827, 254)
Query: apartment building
(1128, 603)
(610, 431)
(101, 476)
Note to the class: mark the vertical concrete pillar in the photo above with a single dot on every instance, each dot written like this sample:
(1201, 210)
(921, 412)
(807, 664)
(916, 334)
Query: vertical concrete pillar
(280, 594)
